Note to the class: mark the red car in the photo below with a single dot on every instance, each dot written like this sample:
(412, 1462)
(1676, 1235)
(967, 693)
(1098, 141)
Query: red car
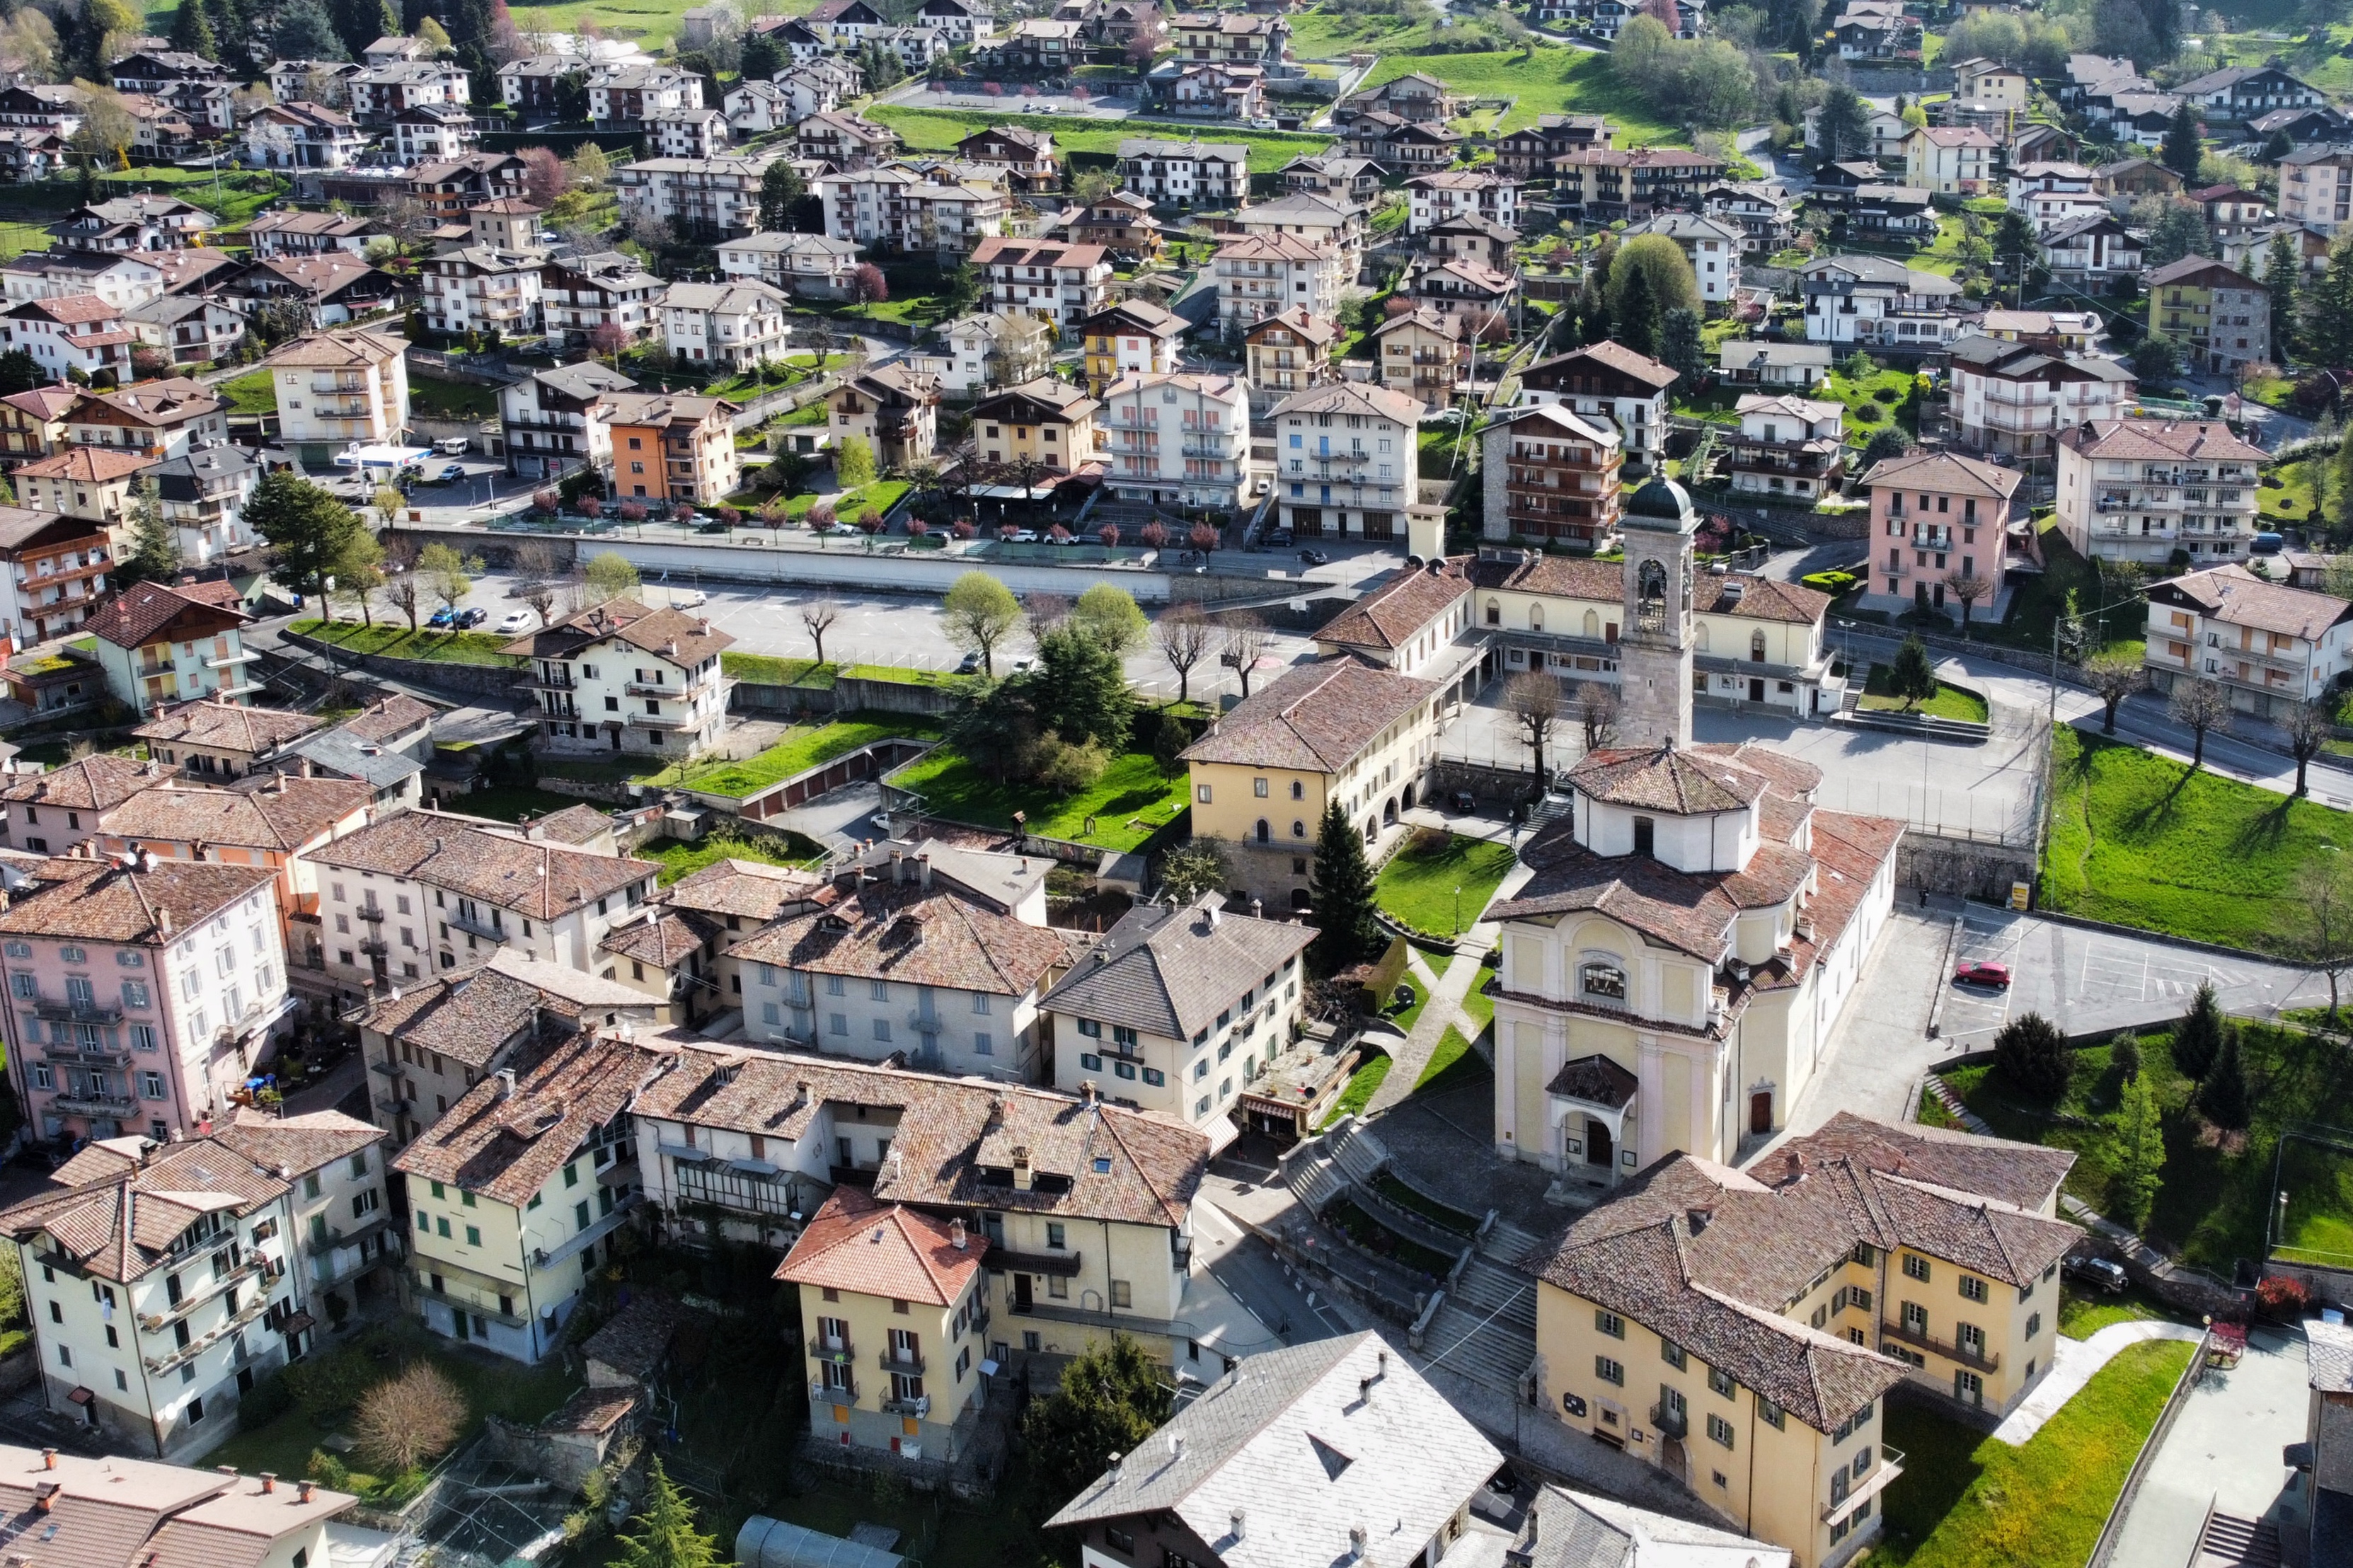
(1974, 972)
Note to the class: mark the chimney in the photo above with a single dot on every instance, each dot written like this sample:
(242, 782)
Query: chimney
(1175, 1445)
(955, 1235)
(1114, 1466)
(1021, 1168)
(898, 869)
(923, 870)
(302, 1491)
(306, 767)
(1257, 909)
(1238, 1522)
(506, 1083)
(1363, 1391)
(1089, 1092)
(268, 1482)
(1355, 1544)
(48, 1458)
(1382, 1365)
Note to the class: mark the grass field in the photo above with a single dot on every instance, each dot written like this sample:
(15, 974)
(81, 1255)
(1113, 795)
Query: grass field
(394, 640)
(2316, 1225)
(1131, 800)
(1359, 1092)
(767, 670)
(1477, 1002)
(800, 749)
(679, 859)
(2083, 1313)
(1555, 81)
(1969, 1500)
(936, 130)
(1451, 1065)
(444, 399)
(2138, 839)
(250, 394)
(652, 23)
(1949, 702)
(882, 495)
(1417, 886)
(1876, 401)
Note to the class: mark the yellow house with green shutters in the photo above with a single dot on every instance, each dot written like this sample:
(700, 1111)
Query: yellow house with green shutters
(514, 1196)
(1741, 1330)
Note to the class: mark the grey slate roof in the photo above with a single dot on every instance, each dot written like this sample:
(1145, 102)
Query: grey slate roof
(1169, 972)
(1299, 1444)
(2328, 1351)
(1581, 1530)
(584, 380)
(339, 755)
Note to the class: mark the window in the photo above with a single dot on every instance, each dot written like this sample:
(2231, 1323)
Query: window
(1719, 1430)
(2033, 1324)
(1608, 1370)
(1914, 1265)
(1603, 980)
(1972, 1288)
(1720, 1381)
(1121, 1294)
(1671, 1354)
(1055, 1236)
(1610, 1324)
(1770, 1413)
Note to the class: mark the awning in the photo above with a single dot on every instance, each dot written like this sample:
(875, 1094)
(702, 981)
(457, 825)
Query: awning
(296, 1323)
(83, 1396)
(1597, 1087)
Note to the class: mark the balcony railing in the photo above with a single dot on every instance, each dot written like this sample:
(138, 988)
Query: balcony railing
(661, 720)
(1983, 1361)
(1882, 1476)
(77, 1012)
(481, 925)
(843, 1393)
(909, 1363)
(921, 1406)
(116, 1106)
(96, 1055)
(251, 1263)
(1671, 1421)
(841, 1352)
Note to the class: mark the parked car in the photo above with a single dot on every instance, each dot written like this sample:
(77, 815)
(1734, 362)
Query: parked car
(514, 623)
(451, 446)
(2267, 544)
(1025, 536)
(1463, 802)
(1314, 557)
(467, 619)
(2097, 1272)
(1280, 537)
(1979, 972)
(968, 665)
(442, 619)
(687, 598)
(450, 474)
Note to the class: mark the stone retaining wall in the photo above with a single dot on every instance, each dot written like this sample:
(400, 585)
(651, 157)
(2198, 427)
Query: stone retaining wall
(477, 679)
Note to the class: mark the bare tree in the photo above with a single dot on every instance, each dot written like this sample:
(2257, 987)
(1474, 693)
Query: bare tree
(406, 219)
(818, 619)
(1597, 707)
(405, 1420)
(402, 589)
(1246, 638)
(536, 565)
(1533, 699)
(2203, 706)
(1183, 635)
(2324, 890)
(2113, 677)
(2308, 727)
(1045, 611)
(1969, 588)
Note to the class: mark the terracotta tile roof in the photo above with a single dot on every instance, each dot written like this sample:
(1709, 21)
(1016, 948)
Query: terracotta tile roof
(45, 403)
(506, 1146)
(2022, 1175)
(1401, 607)
(296, 1144)
(1313, 718)
(2236, 596)
(121, 1226)
(1663, 779)
(955, 1142)
(387, 719)
(1616, 356)
(89, 465)
(1056, 400)
(2159, 440)
(1946, 473)
(173, 400)
(663, 938)
(854, 1243)
(71, 310)
(94, 784)
(1555, 576)
(1353, 397)
(1760, 599)
(2204, 269)
(636, 1338)
(229, 727)
(275, 813)
(94, 900)
(749, 889)
(116, 1511)
(339, 350)
(539, 881)
(133, 618)
(891, 930)
(1169, 972)
(672, 634)
(471, 1015)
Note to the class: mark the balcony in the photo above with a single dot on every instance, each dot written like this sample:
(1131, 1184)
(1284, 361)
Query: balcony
(661, 720)
(558, 682)
(923, 1023)
(1672, 1421)
(1881, 1476)
(838, 1352)
(115, 1106)
(1978, 1361)
(919, 1407)
(76, 1012)
(844, 1391)
(374, 946)
(93, 1056)
(203, 1343)
(251, 1263)
(907, 1364)
(480, 925)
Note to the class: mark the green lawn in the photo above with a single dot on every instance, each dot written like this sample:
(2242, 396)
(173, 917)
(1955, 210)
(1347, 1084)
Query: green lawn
(1359, 1092)
(1557, 81)
(1969, 1500)
(233, 196)
(2285, 495)
(2318, 1221)
(679, 859)
(1949, 702)
(652, 23)
(2140, 841)
(2084, 1312)
(767, 670)
(447, 399)
(1418, 887)
(1876, 401)
(1477, 1002)
(17, 238)
(512, 802)
(1451, 1065)
(936, 130)
(2037, 602)
(800, 749)
(250, 394)
(1133, 799)
(396, 641)
(882, 495)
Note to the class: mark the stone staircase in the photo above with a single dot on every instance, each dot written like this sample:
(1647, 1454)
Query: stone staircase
(1315, 1183)
(1485, 1329)
(2229, 1542)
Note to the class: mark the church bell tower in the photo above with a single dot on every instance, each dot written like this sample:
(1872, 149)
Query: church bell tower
(1655, 645)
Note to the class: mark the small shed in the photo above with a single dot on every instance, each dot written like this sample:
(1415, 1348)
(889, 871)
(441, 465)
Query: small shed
(765, 1542)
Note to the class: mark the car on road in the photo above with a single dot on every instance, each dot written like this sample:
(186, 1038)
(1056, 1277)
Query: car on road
(451, 446)
(450, 474)
(1463, 802)
(1279, 539)
(968, 665)
(1314, 557)
(687, 598)
(843, 529)
(442, 619)
(1023, 536)
(1981, 971)
(514, 623)
(2097, 1272)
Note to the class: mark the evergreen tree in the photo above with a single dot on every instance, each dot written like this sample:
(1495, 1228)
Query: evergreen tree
(20, 372)
(2140, 1152)
(360, 23)
(662, 1532)
(2329, 311)
(154, 543)
(1637, 326)
(305, 526)
(1679, 345)
(763, 58)
(2180, 230)
(2280, 145)
(1080, 690)
(304, 33)
(781, 188)
(1341, 888)
(2281, 275)
(2031, 1054)
(2223, 1097)
(2185, 142)
(1110, 1401)
(1912, 677)
(2199, 1037)
(1843, 127)
(192, 31)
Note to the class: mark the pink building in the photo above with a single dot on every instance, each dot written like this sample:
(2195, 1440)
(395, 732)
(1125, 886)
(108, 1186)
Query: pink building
(139, 997)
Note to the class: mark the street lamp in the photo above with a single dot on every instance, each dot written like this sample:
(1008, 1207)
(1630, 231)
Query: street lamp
(1458, 910)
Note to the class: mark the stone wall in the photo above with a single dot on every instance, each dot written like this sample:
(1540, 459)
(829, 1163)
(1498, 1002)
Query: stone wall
(478, 680)
(1959, 867)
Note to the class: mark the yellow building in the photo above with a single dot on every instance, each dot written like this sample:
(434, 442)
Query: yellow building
(510, 1193)
(1134, 337)
(895, 1309)
(1336, 730)
(1041, 422)
(1740, 1331)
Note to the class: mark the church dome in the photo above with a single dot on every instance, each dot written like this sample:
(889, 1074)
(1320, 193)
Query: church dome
(1660, 502)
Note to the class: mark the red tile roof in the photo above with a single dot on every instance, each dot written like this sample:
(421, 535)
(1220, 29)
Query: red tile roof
(855, 1243)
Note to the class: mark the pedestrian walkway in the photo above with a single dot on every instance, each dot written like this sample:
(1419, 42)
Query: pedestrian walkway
(1441, 1011)
(2224, 1453)
(2071, 1367)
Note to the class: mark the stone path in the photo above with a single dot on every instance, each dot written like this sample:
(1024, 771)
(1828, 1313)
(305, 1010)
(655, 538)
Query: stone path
(1441, 1011)
(2071, 1367)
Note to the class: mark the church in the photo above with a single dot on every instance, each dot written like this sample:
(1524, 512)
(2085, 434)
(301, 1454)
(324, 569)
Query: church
(1674, 965)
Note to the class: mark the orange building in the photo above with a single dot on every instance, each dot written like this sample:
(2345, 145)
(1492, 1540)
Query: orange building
(670, 446)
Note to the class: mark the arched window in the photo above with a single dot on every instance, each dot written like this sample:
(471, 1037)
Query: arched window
(1602, 980)
(1264, 833)
(1593, 623)
(1535, 617)
(1699, 636)
(1494, 613)
(1298, 790)
(1757, 647)
(1298, 828)
(1650, 587)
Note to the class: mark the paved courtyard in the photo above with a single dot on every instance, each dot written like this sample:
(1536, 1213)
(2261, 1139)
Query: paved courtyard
(2224, 1449)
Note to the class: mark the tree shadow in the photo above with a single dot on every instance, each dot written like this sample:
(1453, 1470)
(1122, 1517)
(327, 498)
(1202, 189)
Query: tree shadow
(2264, 830)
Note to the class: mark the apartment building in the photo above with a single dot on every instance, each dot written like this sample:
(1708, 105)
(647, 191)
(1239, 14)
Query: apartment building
(1474, 300)
(630, 97)
(931, 210)
(1609, 380)
(1605, 184)
(740, 322)
(620, 676)
(433, 1037)
(1184, 174)
(75, 333)
(52, 570)
(1041, 422)
(2092, 251)
(1336, 729)
(1181, 1007)
(1950, 160)
(1291, 351)
(380, 92)
(1933, 513)
(420, 891)
(159, 645)
(1712, 246)
(334, 1170)
(1086, 1207)
(269, 819)
(510, 1194)
(1770, 1391)
(142, 992)
(1231, 37)
(53, 812)
(1873, 302)
(156, 418)
(1063, 284)
(213, 739)
(33, 423)
(90, 484)
(844, 139)
(341, 389)
(2316, 187)
(1527, 153)
(1259, 275)
(1346, 453)
(2273, 647)
(987, 351)
(608, 288)
(894, 408)
(1422, 354)
(2017, 398)
(2244, 92)
(298, 135)
(190, 329)
(939, 961)
(482, 289)
(713, 198)
(160, 1284)
(1177, 439)
(557, 420)
(2220, 317)
(58, 274)
(1024, 156)
(1134, 337)
(1786, 446)
(1336, 224)
(807, 265)
(2142, 490)
(1559, 473)
(673, 446)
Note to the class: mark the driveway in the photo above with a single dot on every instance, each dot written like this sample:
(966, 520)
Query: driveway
(2224, 1449)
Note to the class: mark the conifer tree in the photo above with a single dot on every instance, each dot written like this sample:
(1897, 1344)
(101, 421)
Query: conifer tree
(1341, 887)
(662, 1534)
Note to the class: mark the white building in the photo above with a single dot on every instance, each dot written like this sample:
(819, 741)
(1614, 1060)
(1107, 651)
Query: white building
(1712, 246)
(688, 132)
(480, 289)
(2139, 489)
(1177, 440)
(2270, 646)
(1871, 301)
(333, 1166)
(557, 420)
(1462, 193)
(1058, 283)
(56, 274)
(304, 136)
(931, 210)
(709, 196)
(80, 333)
(1346, 455)
(341, 389)
(2016, 398)
(757, 108)
(1259, 275)
(809, 264)
(1184, 173)
(740, 323)
(988, 351)
(619, 677)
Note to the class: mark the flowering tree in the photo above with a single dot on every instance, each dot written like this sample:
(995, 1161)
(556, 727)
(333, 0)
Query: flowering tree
(590, 507)
(1109, 534)
(547, 503)
(633, 511)
(867, 286)
(606, 340)
(1059, 535)
(870, 521)
(1203, 537)
(1028, 89)
(918, 529)
(963, 528)
(1397, 305)
(1154, 535)
(544, 178)
(772, 512)
(729, 517)
(1079, 94)
(992, 90)
(1006, 533)
(682, 513)
(821, 517)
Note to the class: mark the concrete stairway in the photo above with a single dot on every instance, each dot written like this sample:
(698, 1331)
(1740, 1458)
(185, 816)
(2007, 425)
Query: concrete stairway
(1315, 1183)
(1509, 1245)
(2229, 1542)
(1485, 1330)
